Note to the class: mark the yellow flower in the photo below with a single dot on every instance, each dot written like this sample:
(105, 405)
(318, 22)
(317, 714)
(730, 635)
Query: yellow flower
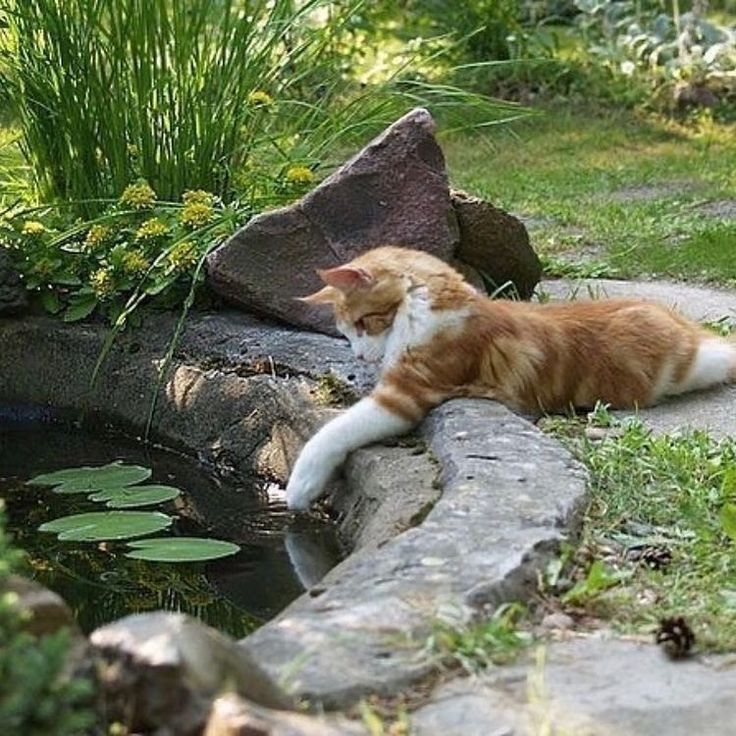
(183, 256)
(259, 97)
(299, 175)
(135, 262)
(102, 282)
(138, 196)
(198, 196)
(151, 229)
(97, 235)
(33, 227)
(196, 214)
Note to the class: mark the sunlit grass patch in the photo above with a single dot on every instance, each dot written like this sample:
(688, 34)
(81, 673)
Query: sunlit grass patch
(623, 191)
(659, 534)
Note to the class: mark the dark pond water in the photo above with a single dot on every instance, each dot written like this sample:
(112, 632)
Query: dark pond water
(279, 557)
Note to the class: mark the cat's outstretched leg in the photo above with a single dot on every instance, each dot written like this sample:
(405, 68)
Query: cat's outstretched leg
(365, 422)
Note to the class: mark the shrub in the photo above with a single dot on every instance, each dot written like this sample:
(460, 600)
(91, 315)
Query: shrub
(37, 697)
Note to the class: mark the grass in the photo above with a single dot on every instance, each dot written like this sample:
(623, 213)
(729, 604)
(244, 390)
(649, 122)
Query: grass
(674, 496)
(618, 192)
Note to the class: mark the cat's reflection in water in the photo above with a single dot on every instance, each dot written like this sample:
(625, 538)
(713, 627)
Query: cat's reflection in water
(258, 580)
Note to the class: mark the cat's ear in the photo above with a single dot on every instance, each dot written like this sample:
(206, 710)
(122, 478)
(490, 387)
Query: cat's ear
(347, 278)
(327, 295)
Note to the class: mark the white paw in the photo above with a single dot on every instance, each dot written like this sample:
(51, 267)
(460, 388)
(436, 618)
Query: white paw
(308, 479)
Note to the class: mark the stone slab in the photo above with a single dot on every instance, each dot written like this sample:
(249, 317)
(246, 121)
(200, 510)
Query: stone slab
(588, 687)
(394, 191)
(509, 497)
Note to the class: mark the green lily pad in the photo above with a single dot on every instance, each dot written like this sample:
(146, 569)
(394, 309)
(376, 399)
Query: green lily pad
(122, 498)
(180, 549)
(85, 479)
(98, 525)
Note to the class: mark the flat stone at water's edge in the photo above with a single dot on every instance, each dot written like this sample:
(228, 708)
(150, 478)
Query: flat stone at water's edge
(507, 491)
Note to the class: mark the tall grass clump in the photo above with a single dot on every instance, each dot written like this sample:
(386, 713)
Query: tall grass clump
(107, 91)
(184, 94)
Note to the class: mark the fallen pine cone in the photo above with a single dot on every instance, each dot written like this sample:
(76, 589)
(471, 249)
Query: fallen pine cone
(675, 636)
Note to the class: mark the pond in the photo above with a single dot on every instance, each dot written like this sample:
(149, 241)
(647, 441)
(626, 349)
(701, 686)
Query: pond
(279, 556)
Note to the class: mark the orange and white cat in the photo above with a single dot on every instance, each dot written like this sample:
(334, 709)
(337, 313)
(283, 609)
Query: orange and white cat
(436, 337)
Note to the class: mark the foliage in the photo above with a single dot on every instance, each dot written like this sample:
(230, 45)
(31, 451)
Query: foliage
(185, 95)
(96, 526)
(655, 39)
(675, 494)
(173, 92)
(138, 249)
(492, 641)
(37, 697)
(183, 549)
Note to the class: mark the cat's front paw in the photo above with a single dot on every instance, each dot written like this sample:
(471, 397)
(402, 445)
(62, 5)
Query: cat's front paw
(308, 480)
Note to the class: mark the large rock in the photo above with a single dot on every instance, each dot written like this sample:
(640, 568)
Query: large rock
(13, 295)
(496, 245)
(394, 191)
(164, 669)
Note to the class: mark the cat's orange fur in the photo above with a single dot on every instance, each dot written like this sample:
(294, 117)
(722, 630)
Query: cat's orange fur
(439, 338)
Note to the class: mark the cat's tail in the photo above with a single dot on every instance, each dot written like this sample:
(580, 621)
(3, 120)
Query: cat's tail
(714, 363)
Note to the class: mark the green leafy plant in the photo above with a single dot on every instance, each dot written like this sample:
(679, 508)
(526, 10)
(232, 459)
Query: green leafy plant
(657, 39)
(493, 641)
(182, 549)
(101, 525)
(37, 696)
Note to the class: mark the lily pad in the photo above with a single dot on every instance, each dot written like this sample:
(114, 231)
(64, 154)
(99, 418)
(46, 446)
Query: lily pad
(122, 498)
(180, 549)
(98, 525)
(85, 479)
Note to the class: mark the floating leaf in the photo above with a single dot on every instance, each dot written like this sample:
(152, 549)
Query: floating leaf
(85, 479)
(99, 525)
(180, 549)
(121, 498)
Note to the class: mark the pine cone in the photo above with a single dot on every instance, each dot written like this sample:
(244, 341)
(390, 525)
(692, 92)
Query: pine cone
(654, 557)
(675, 636)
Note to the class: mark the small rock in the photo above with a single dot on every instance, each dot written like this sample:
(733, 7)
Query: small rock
(496, 244)
(689, 94)
(47, 611)
(163, 669)
(557, 621)
(233, 716)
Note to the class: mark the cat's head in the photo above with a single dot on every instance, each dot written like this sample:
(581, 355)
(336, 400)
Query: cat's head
(372, 292)
(366, 301)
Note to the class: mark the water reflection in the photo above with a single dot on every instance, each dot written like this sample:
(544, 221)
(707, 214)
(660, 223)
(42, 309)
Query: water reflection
(278, 560)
